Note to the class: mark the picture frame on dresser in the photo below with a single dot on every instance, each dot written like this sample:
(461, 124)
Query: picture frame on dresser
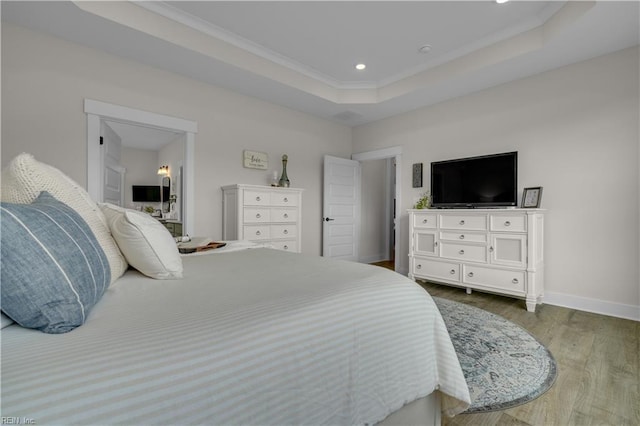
(531, 197)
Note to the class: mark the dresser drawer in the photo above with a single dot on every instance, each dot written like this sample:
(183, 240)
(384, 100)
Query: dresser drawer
(284, 215)
(256, 198)
(282, 198)
(464, 236)
(257, 215)
(284, 231)
(424, 220)
(466, 222)
(464, 252)
(256, 232)
(286, 245)
(513, 223)
(512, 281)
(436, 270)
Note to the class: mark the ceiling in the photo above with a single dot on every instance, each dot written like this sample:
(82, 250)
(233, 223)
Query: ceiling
(301, 54)
(143, 137)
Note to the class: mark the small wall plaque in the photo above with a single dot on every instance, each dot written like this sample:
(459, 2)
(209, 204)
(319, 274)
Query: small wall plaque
(417, 175)
(256, 160)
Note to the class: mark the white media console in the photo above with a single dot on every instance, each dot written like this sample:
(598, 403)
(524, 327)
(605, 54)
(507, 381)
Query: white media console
(492, 250)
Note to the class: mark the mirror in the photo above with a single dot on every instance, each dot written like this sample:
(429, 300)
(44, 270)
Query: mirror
(148, 138)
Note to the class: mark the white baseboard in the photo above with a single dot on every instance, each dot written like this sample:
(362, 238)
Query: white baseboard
(374, 258)
(611, 309)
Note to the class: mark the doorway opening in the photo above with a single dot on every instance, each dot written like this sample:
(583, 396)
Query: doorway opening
(100, 113)
(383, 189)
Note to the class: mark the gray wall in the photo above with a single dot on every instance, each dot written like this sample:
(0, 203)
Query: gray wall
(45, 80)
(576, 131)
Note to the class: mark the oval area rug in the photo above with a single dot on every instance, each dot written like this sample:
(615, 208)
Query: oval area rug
(503, 364)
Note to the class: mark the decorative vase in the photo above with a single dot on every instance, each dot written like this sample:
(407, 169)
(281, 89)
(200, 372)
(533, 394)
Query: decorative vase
(284, 180)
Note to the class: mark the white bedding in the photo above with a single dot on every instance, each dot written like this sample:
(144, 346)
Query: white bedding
(252, 337)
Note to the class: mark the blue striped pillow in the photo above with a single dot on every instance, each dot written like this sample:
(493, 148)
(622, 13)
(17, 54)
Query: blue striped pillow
(53, 269)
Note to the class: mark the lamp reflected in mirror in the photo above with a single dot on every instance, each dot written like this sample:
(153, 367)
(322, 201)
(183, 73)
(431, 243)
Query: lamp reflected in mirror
(163, 171)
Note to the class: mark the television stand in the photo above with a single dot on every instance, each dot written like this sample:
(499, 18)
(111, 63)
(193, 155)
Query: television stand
(492, 250)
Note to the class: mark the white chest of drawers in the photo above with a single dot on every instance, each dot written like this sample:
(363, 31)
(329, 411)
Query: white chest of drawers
(493, 250)
(263, 214)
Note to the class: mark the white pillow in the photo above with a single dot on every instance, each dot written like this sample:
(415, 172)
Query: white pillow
(146, 243)
(25, 178)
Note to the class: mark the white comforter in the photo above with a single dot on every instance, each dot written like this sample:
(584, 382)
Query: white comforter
(251, 337)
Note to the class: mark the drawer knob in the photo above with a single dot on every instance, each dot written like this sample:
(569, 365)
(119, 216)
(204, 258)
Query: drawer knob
(258, 198)
(418, 266)
(286, 215)
(507, 223)
(461, 252)
(515, 281)
(453, 271)
(285, 232)
(470, 274)
(286, 247)
(462, 237)
(286, 200)
(258, 216)
(258, 233)
(491, 249)
(424, 221)
(462, 222)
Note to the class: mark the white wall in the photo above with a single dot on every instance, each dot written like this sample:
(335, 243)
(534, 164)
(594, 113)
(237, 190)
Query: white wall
(45, 80)
(141, 169)
(576, 131)
(372, 211)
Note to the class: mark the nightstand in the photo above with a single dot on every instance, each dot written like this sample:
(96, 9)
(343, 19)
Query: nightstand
(175, 228)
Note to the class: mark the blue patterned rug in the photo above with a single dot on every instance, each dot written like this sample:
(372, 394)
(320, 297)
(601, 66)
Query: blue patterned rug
(503, 364)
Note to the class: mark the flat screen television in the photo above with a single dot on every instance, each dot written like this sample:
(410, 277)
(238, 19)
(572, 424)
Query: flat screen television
(475, 182)
(149, 193)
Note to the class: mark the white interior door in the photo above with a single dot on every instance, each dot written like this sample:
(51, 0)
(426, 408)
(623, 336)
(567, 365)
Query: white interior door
(113, 184)
(113, 172)
(341, 208)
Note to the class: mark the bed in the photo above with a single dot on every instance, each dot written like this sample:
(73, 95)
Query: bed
(247, 335)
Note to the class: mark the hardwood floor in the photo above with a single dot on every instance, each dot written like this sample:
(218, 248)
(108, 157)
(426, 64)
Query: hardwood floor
(598, 360)
(389, 264)
(598, 364)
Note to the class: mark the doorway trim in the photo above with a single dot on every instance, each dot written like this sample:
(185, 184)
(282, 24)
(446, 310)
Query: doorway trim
(98, 111)
(394, 152)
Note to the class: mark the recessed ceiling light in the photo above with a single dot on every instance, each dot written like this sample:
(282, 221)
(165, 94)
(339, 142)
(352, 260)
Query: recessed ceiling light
(425, 49)
(501, 1)
(360, 67)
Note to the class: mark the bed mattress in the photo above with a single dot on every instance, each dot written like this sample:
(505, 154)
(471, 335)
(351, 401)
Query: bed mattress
(253, 337)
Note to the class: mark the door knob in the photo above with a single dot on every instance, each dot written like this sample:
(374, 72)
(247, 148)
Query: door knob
(328, 219)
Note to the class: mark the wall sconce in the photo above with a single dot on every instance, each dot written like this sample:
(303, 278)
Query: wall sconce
(163, 170)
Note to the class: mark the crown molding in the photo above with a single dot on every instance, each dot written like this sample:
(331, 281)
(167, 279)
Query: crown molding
(212, 30)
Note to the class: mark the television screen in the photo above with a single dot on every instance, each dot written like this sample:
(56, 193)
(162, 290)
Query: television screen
(486, 181)
(147, 193)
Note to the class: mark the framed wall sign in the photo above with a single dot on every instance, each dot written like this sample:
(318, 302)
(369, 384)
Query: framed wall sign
(531, 197)
(256, 160)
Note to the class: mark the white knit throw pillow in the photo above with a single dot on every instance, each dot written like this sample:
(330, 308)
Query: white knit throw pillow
(24, 179)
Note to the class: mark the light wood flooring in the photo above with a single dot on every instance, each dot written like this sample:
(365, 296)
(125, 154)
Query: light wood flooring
(598, 379)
